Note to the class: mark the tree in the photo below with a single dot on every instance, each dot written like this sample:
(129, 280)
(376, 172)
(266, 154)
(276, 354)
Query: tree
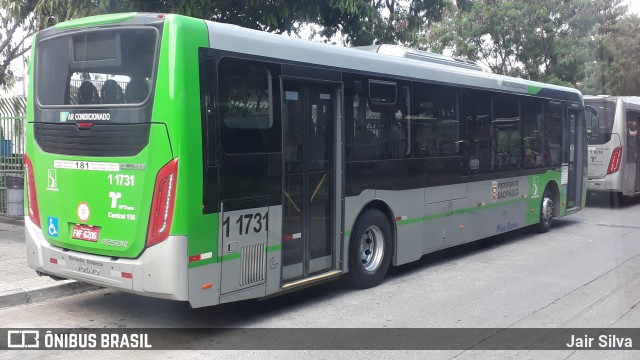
(361, 22)
(615, 67)
(19, 19)
(15, 17)
(389, 22)
(278, 16)
(544, 40)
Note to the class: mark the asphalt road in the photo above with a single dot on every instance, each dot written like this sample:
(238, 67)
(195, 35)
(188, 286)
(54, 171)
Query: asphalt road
(584, 273)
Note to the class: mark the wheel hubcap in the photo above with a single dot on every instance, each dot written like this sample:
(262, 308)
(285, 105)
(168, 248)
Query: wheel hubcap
(371, 248)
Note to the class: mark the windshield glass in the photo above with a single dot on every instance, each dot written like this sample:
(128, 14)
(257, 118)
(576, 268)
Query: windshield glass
(103, 68)
(603, 118)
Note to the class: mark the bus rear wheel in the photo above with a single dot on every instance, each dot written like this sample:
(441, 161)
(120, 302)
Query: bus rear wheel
(546, 211)
(370, 249)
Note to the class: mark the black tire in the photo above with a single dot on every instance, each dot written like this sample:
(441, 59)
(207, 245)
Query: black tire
(547, 211)
(616, 199)
(370, 249)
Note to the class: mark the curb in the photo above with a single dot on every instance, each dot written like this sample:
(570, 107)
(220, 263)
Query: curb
(39, 294)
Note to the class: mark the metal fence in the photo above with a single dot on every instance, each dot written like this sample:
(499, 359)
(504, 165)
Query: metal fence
(12, 146)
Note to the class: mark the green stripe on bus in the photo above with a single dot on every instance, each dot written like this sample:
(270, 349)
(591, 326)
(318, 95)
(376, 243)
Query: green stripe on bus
(274, 247)
(236, 255)
(458, 212)
(228, 257)
(455, 212)
(533, 90)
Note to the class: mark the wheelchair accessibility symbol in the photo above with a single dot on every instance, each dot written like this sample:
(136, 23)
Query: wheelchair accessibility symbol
(53, 226)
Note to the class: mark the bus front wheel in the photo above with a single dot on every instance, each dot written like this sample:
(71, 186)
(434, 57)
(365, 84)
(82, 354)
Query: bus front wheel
(370, 249)
(546, 211)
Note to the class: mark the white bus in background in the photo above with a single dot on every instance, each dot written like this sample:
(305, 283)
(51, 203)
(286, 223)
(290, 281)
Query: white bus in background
(612, 130)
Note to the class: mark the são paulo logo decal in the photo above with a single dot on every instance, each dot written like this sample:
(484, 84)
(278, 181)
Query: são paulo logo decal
(494, 191)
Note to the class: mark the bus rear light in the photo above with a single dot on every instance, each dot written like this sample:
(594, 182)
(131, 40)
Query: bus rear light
(616, 158)
(164, 198)
(32, 199)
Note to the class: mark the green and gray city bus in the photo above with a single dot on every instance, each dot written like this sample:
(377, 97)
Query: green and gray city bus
(186, 159)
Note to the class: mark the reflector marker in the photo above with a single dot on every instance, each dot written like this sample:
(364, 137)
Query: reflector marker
(292, 236)
(205, 256)
(55, 261)
(400, 218)
(121, 274)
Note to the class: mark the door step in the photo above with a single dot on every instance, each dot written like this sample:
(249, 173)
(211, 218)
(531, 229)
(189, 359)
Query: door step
(326, 276)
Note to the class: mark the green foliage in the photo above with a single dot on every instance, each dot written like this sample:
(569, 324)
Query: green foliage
(389, 22)
(544, 40)
(615, 68)
(15, 17)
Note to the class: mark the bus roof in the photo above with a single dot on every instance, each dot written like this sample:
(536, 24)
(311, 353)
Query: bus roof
(627, 99)
(235, 39)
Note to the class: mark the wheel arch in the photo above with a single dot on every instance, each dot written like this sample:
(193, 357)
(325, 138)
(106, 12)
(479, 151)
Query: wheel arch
(383, 207)
(552, 185)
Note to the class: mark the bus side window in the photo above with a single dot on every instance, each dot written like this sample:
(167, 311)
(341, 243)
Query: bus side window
(361, 140)
(532, 119)
(376, 127)
(553, 130)
(632, 124)
(245, 99)
(633, 117)
(476, 106)
(435, 128)
(507, 132)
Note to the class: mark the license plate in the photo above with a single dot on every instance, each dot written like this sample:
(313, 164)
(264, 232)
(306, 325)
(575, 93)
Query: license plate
(85, 232)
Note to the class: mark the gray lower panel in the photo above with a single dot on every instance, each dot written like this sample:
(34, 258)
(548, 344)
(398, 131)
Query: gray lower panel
(200, 294)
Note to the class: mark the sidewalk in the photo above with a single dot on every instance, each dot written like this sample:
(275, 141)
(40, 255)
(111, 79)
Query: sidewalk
(19, 284)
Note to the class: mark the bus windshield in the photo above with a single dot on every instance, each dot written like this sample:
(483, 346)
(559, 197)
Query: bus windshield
(602, 120)
(97, 69)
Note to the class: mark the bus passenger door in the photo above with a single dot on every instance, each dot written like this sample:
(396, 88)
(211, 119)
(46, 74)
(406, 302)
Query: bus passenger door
(575, 170)
(630, 154)
(308, 118)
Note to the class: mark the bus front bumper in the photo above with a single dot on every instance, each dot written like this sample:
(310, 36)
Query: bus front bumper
(161, 271)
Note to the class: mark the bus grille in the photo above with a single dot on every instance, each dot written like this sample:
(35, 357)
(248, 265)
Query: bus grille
(100, 140)
(253, 264)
